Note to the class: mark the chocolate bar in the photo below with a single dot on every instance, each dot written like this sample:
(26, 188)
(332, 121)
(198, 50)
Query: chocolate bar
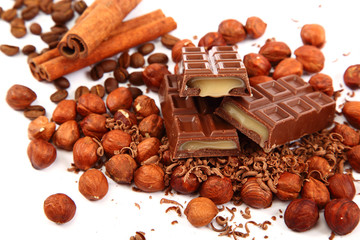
(220, 72)
(192, 128)
(279, 111)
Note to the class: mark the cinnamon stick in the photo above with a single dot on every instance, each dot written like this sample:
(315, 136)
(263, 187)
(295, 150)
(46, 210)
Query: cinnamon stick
(59, 66)
(97, 24)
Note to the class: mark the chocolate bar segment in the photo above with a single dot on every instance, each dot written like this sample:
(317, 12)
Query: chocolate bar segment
(279, 111)
(220, 72)
(192, 127)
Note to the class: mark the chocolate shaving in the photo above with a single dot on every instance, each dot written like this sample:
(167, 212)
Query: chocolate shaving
(168, 201)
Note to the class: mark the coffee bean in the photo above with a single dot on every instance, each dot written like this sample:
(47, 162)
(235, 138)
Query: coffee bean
(98, 90)
(124, 60)
(80, 6)
(61, 83)
(121, 75)
(53, 44)
(32, 2)
(62, 17)
(169, 41)
(9, 15)
(158, 58)
(110, 84)
(60, 29)
(18, 28)
(9, 50)
(34, 111)
(96, 72)
(27, 49)
(135, 92)
(49, 37)
(108, 65)
(35, 29)
(135, 78)
(146, 48)
(61, 6)
(30, 12)
(59, 95)
(137, 60)
(80, 91)
(18, 4)
(46, 6)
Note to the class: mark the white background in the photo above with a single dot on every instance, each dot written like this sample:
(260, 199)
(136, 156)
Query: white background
(23, 189)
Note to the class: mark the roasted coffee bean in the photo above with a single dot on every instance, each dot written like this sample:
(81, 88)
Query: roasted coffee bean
(30, 12)
(59, 95)
(62, 17)
(158, 58)
(53, 44)
(81, 91)
(137, 60)
(18, 28)
(35, 29)
(80, 6)
(32, 2)
(124, 60)
(96, 72)
(98, 90)
(49, 37)
(9, 50)
(135, 78)
(46, 6)
(146, 48)
(121, 74)
(108, 65)
(62, 83)
(60, 29)
(169, 41)
(27, 49)
(110, 84)
(61, 5)
(34, 111)
(135, 92)
(9, 15)
(18, 4)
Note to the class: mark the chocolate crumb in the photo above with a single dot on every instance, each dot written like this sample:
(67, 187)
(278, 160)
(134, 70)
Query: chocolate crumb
(168, 201)
(137, 205)
(174, 222)
(174, 208)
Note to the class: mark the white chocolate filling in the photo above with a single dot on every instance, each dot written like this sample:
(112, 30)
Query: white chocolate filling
(247, 122)
(197, 145)
(215, 87)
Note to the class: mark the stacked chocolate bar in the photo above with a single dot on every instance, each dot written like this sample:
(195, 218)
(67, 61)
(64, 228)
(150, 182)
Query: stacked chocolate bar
(210, 100)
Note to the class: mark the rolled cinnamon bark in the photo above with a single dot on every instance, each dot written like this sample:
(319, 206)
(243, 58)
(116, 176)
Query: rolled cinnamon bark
(97, 24)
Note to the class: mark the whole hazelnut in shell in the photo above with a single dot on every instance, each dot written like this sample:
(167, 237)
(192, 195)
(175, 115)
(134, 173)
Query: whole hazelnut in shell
(41, 153)
(93, 184)
(218, 189)
(59, 208)
(254, 196)
(149, 178)
(353, 156)
(200, 211)
(289, 186)
(342, 186)
(85, 153)
(301, 215)
(182, 182)
(121, 168)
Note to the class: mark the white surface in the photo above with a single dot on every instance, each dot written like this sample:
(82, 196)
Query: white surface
(23, 189)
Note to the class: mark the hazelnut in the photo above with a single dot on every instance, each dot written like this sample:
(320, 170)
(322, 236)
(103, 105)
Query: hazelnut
(41, 153)
(64, 111)
(176, 51)
(256, 64)
(200, 211)
(255, 27)
(322, 82)
(114, 141)
(93, 184)
(352, 76)
(120, 98)
(152, 125)
(183, 183)
(212, 39)
(66, 135)
(342, 216)
(41, 128)
(259, 79)
(218, 189)
(286, 67)
(313, 34)
(149, 178)
(94, 125)
(126, 117)
(301, 215)
(85, 153)
(289, 186)
(350, 136)
(254, 196)
(317, 191)
(145, 106)
(275, 51)
(121, 168)
(59, 208)
(147, 148)
(20, 97)
(232, 31)
(341, 186)
(153, 75)
(319, 165)
(353, 156)
(351, 111)
(311, 58)
(90, 103)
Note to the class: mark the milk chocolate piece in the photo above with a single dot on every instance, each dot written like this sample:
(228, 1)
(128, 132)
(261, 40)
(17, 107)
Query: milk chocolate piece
(192, 128)
(279, 111)
(220, 72)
